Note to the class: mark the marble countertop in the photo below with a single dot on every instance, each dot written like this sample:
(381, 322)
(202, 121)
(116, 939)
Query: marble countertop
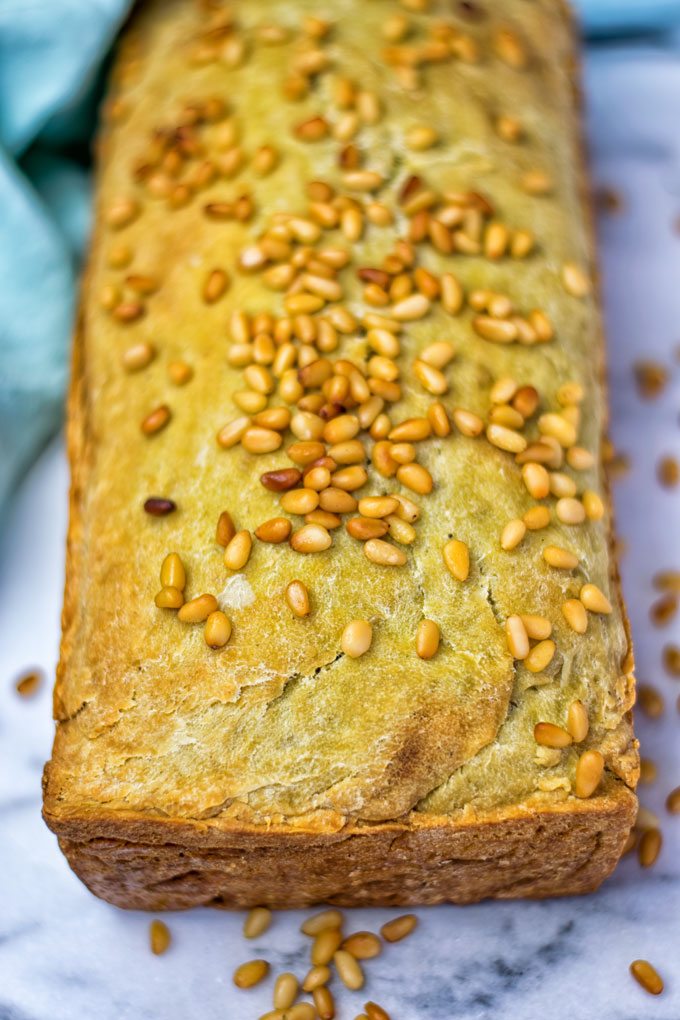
(66, 955)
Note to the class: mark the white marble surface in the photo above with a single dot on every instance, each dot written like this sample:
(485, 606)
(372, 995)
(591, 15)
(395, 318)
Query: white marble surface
(65, 955)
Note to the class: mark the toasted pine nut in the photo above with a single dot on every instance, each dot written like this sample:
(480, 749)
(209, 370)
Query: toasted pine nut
(457, 559)
(300, 501)
(156, 420)
(559, 558)
(467, 423)
(378, 506)
(384, 554)
(363, 945)
(593, 505)
(169, 598)
(576, 615)
(276, 530)
(649, 847)
(647, 976)
(558, 427)
(159, 937)
(505, 438)
(356, 638)
(549, 735)
(326, 942)
(412, 430)
(217, 630)
(364, 528)
(231, 433)
(311, 538)
(319, 922)
(415, 477)
(324, 1003)
(430, 378)
(538, 628)
(215, 285)
(349, 969)
(399, 928)
(427, 640)
(577, 721)
(518, 639)
(237, 553)
(439, 419)
(375, 1012)
(317, 976)
(138, 356)
(173, 574)
(589, 769)
(512, 534)
(250, 973)
(594, 600)
(540, 656)
(198, 609)
(415, 306)
(257, 922)
(285, 990)
(537, 517)
(259, 440)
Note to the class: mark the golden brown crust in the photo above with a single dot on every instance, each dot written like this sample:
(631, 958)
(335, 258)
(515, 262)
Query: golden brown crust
(276, 744)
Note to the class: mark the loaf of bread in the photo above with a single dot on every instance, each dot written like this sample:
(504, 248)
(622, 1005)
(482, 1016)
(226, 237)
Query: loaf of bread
(338, 380)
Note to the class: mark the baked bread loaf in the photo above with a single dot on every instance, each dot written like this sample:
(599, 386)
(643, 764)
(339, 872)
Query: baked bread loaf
(338, 377)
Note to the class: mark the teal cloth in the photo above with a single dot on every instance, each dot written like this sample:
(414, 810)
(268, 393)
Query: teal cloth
(51, 53)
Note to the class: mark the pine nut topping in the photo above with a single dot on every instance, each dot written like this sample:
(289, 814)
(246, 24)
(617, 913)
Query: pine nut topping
(311, 538)
(198, 609)
(576, 615)
(457, 559)
(356, 638)
(237, 552)
(427, 640)
(577, 721)
(156, 420)
(384, 554)
(517, 637)
(217, 629)
(540, 656)
(512, 534)
(549, 735)
(649, 847)
(559, 558)
(169, 598)
(594, 600)
(589, 770)
(173, 574)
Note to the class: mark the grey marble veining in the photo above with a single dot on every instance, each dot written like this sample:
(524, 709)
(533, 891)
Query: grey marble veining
(65, 955)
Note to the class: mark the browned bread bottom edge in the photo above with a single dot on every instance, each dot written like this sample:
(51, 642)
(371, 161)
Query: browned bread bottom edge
(562, 851)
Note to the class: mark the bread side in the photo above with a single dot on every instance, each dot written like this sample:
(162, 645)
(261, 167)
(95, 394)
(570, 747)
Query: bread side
(278, 731)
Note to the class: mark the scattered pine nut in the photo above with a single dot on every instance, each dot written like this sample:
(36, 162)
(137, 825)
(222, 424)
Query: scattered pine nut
(159, 937)
(363, 945)
(399, 927)
(647, 976)
(249, 974)
(356, 638)
(257, 922)
(29, 683)
(649, 847)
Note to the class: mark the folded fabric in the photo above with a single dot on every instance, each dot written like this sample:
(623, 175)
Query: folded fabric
(50, 56)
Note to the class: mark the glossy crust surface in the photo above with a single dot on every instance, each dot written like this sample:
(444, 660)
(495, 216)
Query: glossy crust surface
(277, 769)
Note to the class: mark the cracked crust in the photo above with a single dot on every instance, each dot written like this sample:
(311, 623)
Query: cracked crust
(288, 773)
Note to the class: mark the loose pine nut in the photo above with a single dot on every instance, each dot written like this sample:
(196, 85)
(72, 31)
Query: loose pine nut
(217, 629)
(575, 280)
(594, 600)
(348, 969)
(430, 378)
(215, 285)
(399, 928)
(237, 553)
(364, 528)
(384, 554)
(570, 511)
(257, 922)
(427, 640)
(297, 598)
(259, 440)
(285, 990)
(548, 735)
(301, 1011)
(337, 501)
(512, 534)
(558, 427)
(169, 598)
(439, 420)
(577, 721)
(316, 977)
(225, 529)
(673, 801)
(649, 847)
(375, 1012)
(457, 559)
(356, 638)
(536, 518)
(173, 574)
(378, 506)
(250, 973)
(319, 922)
(324, 1003)
(576, 615)
(311, 538)
(363, 945)
(326, 942)
(559, 558)
(593, 505)
(415, 477)
(647, 976)
(416, 306)
(589, 769)
(138, 356)
(517, 637)
(159, 937)
(198, 609)
(412, 430)
(540, 656)
(467, 423)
